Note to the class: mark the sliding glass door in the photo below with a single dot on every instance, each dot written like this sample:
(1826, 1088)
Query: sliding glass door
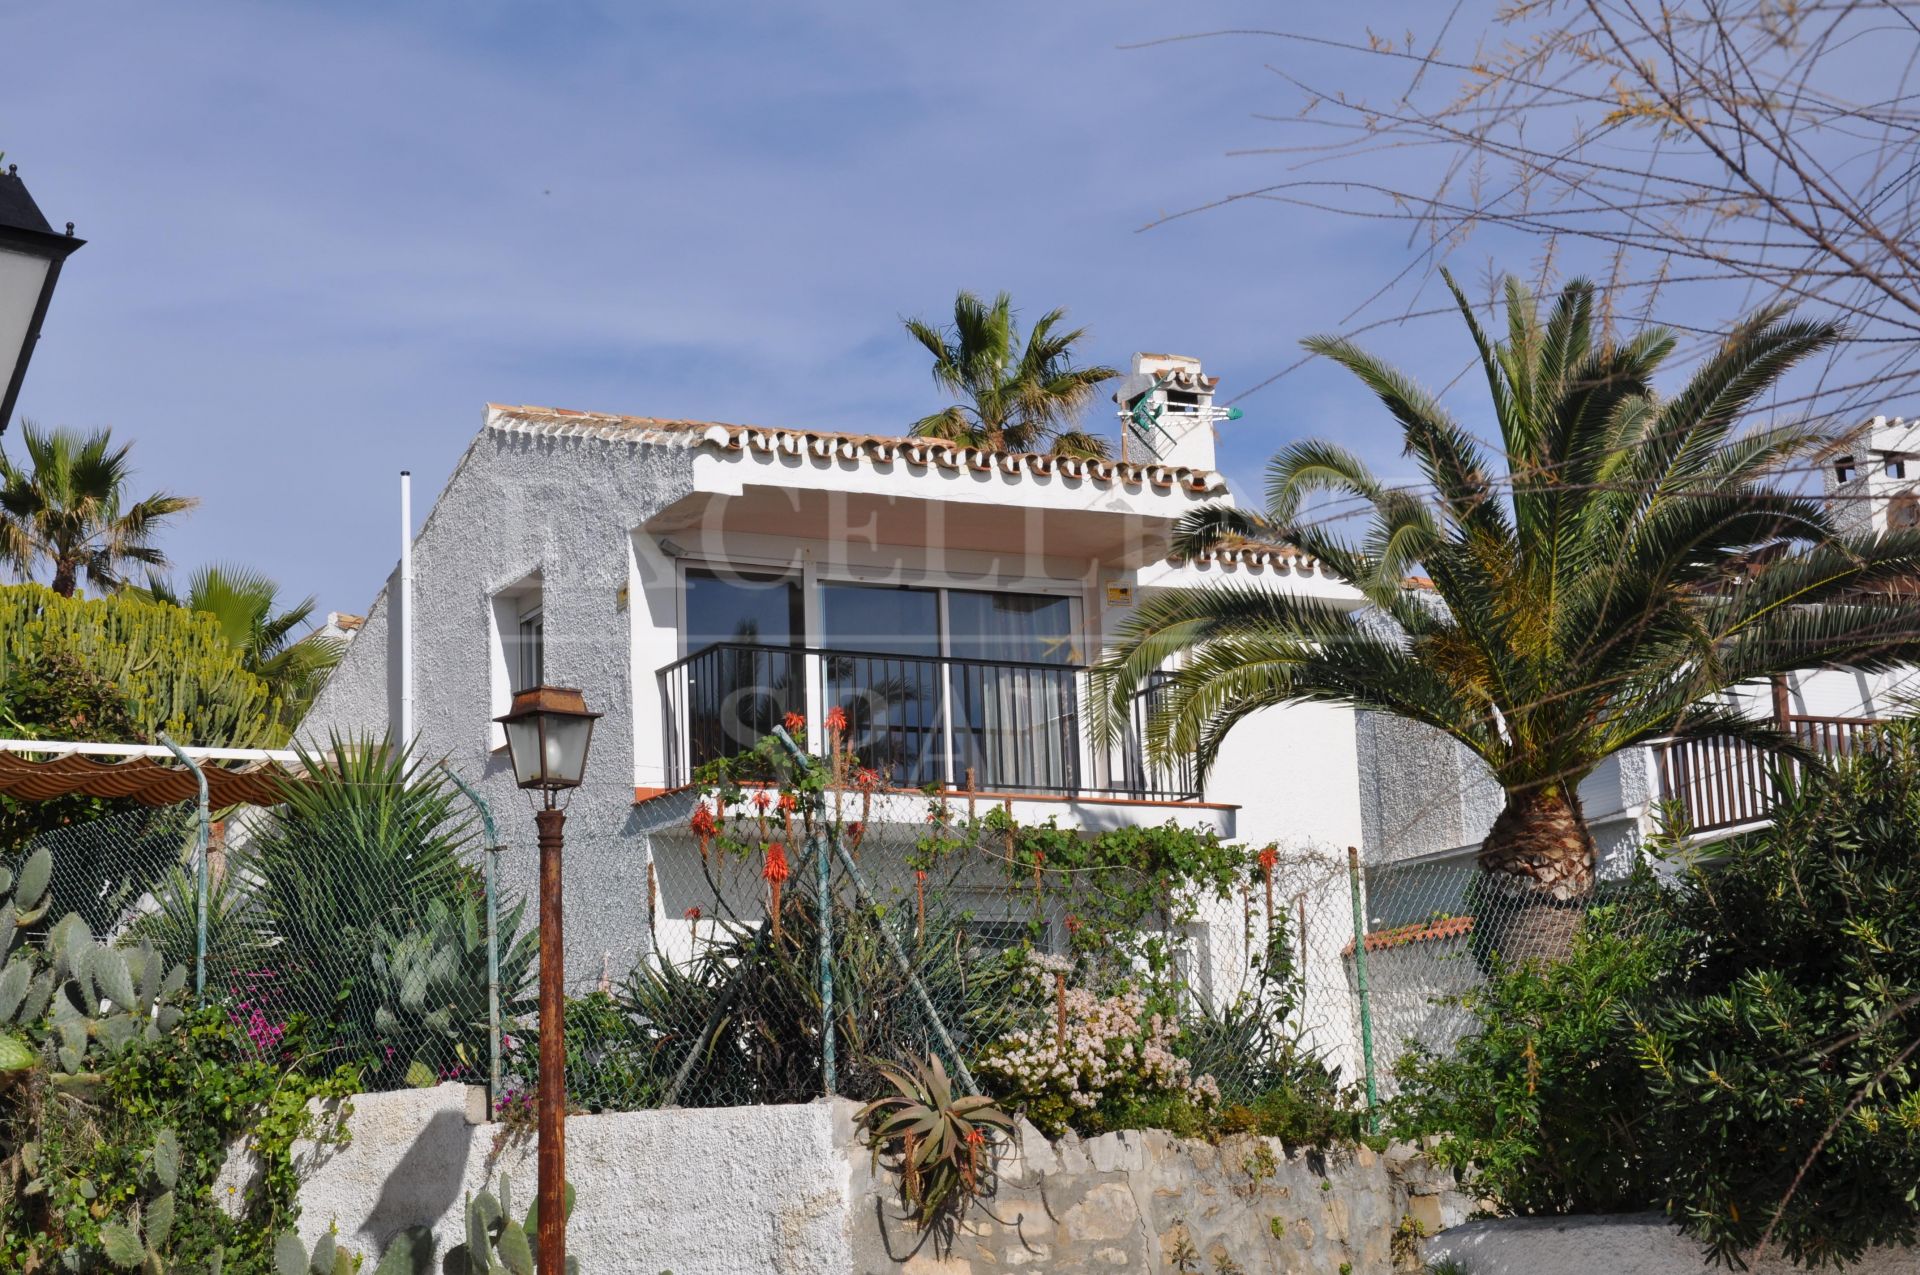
(881, 667)
(746, 673)
(939, 686)
(1012, 679)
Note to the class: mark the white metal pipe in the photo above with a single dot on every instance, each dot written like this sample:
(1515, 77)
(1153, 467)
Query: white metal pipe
(406, 609)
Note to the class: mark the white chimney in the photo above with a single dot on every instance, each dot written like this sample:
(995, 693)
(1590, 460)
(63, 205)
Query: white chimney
(1167, 412)
(1875, 485)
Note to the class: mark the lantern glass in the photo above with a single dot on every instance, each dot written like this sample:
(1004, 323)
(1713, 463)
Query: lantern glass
(548, 732)
(22, 276)
(563, 749)
(523, 745)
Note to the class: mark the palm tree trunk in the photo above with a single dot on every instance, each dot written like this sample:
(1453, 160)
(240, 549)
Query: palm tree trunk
(1539, 861)
(65, 578)
(1541, 839)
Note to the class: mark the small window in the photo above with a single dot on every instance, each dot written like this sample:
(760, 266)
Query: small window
(1896, 467)
(1183, 402)
(530, 651)
(517, 638)
(1843, 469)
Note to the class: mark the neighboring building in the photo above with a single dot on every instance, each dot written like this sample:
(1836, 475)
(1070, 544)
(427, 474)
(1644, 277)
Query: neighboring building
(341, 627)
(700, 581)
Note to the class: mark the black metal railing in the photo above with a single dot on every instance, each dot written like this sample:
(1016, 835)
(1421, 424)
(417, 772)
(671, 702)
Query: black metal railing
(998, 725)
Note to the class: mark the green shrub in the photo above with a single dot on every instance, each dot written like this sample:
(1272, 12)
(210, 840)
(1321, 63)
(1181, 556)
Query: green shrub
(89, 1162)
(174, 668)
(1795, 1044)
(1545, 1101)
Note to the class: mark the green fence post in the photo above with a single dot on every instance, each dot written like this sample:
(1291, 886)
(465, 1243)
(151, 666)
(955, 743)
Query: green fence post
(823, 876)
(492, 851)
(1356, 885)
(203, 837)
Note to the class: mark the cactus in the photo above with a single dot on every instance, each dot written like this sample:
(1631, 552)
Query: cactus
(407, 1255)
(23, 903)
(495, 1243)
(138, 1241)
(291, 1257)
(84, 998)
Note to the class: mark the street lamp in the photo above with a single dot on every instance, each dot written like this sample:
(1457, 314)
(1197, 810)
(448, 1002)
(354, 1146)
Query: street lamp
(548, 731)
(30, 258)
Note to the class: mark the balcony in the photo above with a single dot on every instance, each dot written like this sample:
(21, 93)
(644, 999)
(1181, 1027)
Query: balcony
(993, 726)
(1721, 783)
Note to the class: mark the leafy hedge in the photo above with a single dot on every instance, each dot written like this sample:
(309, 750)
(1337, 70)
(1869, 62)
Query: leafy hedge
(1746, 1056)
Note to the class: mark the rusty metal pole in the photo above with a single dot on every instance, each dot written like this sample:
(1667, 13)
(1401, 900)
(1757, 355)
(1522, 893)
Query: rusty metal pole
(552, 1232)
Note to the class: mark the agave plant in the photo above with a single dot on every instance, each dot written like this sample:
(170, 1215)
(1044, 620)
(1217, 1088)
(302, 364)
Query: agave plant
(944, 1145)
(365, 844)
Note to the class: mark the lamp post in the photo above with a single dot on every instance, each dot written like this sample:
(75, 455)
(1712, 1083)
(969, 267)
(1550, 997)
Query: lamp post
(548, 730)
(30, 258)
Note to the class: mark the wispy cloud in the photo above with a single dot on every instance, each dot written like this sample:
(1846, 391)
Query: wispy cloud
(322, 236)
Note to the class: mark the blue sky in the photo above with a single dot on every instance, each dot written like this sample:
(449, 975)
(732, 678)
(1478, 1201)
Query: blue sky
(321, 237)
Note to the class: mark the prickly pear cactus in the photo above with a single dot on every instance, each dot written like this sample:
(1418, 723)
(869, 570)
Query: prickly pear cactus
(23, 997)
(496, 1244)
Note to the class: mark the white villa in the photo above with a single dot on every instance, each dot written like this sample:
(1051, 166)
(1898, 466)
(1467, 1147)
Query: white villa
(701, 581)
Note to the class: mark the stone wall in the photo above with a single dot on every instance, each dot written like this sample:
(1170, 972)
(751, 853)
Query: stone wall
(789, 1190)
(1148, 1201)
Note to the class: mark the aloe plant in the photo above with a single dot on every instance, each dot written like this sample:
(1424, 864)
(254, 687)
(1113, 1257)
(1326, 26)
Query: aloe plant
(944, 1145)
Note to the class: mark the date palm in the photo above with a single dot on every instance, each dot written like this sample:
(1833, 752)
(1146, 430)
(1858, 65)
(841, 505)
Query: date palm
(1635, 557)
(1015, 399)
(246, 605)
(69, 507)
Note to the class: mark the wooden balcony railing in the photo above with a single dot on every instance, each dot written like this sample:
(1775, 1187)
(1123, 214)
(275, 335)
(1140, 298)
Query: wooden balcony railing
(1723, 783)
(1007, 726)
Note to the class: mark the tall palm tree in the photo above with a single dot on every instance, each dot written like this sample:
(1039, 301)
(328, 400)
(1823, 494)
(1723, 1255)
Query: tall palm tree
(1016, 399)
(1635, 560)
(69, 507)
(245, 604)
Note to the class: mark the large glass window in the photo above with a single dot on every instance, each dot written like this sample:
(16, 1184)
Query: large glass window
(883, 671)
(743, 674)
(938, 685)
(1015, 718)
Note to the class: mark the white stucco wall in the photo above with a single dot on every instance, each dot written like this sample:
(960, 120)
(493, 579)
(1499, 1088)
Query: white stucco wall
(699, 1192)
(792, 1191)
(563, 507)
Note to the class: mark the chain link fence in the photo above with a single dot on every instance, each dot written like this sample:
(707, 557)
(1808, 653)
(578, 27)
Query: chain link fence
(790, 943)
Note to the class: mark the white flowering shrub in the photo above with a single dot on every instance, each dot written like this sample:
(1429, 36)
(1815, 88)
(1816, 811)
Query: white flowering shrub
(1094, 1063)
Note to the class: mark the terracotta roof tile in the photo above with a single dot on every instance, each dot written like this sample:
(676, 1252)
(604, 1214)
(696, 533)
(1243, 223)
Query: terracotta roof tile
(827, 445)
(147, 781)
(1452, 927)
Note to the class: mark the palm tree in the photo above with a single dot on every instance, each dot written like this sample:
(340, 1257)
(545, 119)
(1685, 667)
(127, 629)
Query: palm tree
(245, 604)
(69, 506)
(1016, 400)
(1635, 560)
